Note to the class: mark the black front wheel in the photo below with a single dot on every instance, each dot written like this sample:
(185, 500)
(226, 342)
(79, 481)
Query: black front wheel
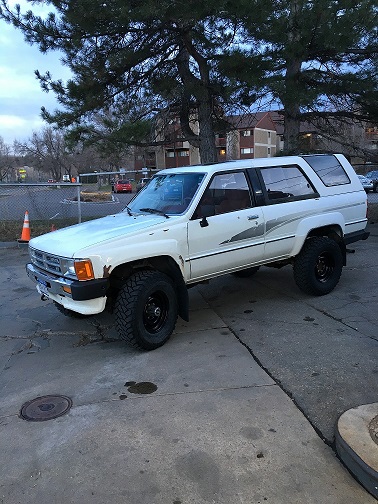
(318, 267)
(146, 309)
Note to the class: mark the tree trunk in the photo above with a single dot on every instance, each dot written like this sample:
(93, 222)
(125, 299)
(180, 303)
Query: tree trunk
(292, 92)
(207, 149)
(292, 123)
(198, 88)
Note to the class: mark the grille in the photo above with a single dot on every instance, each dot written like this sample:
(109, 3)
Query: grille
(46, 262)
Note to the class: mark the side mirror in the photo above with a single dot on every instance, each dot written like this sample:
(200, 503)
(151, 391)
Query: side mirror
(203, 222)
(206, 211)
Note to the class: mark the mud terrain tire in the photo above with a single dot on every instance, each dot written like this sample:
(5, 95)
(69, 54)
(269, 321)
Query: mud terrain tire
(146, 309)
(317, 268)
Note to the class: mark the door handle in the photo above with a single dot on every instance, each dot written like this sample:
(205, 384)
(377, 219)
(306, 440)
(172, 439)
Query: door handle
(253, 217)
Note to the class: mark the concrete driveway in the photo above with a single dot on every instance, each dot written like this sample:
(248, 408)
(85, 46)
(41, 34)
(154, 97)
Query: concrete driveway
(196, 421)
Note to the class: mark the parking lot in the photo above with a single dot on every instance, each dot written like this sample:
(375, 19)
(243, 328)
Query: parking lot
(239, 406)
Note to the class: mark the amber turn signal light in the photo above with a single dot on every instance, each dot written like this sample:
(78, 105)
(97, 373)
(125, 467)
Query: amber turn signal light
(84, 270)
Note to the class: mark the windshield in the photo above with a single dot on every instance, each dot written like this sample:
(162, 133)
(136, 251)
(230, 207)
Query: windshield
(167, 194)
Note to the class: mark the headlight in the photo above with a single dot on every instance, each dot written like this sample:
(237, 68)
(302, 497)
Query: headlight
(81, 269)
(67, 267)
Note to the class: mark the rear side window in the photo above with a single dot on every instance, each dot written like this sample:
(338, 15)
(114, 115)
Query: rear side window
(328, 169)
(285, 183)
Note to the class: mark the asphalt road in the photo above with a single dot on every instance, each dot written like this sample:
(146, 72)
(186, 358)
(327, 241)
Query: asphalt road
(323, 351)
(215, 428)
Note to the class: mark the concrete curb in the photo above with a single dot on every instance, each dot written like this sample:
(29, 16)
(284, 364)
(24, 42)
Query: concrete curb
(10, 245)
(356, 446)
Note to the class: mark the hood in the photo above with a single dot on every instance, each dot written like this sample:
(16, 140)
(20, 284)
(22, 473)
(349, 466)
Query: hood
(69, 241)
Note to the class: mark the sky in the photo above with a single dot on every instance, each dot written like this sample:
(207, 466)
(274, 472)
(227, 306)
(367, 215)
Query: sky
(21, 96)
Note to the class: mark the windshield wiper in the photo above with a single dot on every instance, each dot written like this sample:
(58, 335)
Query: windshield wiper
(128, 211)
(154, 211)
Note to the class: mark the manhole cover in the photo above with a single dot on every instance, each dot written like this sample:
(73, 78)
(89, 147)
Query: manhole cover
(45, 408)
(373, 429)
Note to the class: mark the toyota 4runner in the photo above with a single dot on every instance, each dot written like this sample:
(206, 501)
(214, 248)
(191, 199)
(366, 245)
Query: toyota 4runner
(191, 224)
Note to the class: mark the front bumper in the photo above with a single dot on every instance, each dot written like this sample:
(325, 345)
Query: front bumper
(52, 286)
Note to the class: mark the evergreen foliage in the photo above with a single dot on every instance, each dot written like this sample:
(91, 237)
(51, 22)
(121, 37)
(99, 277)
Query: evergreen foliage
(319, 60)
(132, 59)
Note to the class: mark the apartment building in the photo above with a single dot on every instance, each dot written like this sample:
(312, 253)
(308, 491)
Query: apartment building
(257, 135)
(245, 137)
(250, 136)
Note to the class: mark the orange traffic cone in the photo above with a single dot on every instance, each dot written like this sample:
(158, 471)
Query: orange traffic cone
(25, 235)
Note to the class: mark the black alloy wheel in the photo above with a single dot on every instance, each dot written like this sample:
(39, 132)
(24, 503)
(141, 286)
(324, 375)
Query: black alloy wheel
(318, 266)
(155, 312)
(324, 267)
(146, 309)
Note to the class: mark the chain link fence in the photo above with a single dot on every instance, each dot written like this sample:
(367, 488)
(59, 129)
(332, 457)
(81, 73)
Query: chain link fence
(56, 205)
(53, 206)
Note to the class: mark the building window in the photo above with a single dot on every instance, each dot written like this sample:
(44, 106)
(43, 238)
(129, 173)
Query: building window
(246, 150)
(183, 153)
(222, 152)
(169, 153)
(246, 133)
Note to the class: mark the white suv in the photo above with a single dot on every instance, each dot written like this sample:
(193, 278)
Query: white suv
(194, 223)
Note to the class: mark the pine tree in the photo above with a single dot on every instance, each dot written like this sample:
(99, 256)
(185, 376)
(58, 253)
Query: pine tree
(130, 59)
(318, 59)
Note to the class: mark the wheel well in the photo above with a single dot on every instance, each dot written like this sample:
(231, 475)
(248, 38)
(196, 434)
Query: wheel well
(164, 264)
(333, 232)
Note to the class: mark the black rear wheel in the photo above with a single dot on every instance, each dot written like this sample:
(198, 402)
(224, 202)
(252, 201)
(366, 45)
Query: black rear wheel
(146, 309)
(318, 267)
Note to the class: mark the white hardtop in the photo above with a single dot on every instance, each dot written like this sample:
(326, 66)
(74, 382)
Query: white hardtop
(247, 163)
(241, 164)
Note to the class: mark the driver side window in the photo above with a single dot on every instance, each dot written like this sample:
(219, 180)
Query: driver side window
(227, 192)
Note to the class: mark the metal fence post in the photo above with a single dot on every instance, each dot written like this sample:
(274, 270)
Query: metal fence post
(78, 204)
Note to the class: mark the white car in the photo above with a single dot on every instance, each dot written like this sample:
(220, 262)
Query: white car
(194, 223)
(366, 183)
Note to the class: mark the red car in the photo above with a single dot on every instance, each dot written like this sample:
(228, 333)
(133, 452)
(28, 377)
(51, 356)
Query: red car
(123, 186)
